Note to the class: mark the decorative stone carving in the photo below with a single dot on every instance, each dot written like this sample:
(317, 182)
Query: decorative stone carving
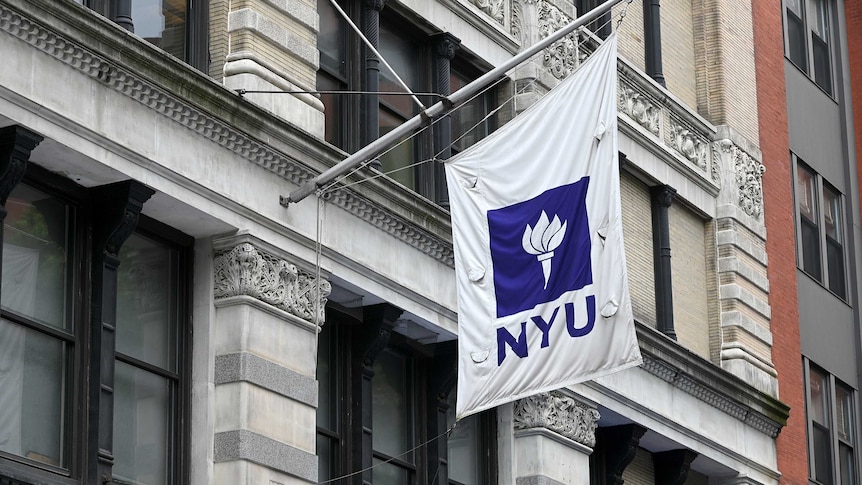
(640, 108)
(185, 114)
(517, 27)
(244, 270)
(561, 57)
(494, 8)
(688, 144)
(749, 179)
(716, 164)
(560, 414)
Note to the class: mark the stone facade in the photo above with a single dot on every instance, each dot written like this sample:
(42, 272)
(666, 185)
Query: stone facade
(266, 279)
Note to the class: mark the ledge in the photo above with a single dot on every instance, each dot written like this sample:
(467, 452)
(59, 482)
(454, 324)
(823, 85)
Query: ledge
(694, 375)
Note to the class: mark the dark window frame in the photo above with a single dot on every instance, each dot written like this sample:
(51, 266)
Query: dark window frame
(831, 471)
(76, 445)
(816, 254)
(813, 54)
(196, 32)
(423, 179)
(342, 327)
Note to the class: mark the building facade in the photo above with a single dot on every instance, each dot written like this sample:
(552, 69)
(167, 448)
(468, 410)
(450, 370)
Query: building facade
(166, 320)
(820, 133)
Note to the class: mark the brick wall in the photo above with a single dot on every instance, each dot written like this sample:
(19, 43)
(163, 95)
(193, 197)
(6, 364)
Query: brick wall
(780, 246)
(640, 471)
(677, 43)
(637, 236)
(688, 265)
(853, 10)
(725, 57)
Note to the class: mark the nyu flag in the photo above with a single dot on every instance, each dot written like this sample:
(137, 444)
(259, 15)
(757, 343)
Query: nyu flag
(543, 301)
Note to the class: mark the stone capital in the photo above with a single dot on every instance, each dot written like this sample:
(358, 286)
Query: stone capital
(248, 269)
(559, 413)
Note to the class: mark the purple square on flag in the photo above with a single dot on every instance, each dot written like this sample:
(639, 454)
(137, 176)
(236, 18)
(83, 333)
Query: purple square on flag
(540, 248)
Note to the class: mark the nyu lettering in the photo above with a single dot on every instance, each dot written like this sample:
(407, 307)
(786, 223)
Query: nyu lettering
(519, 344)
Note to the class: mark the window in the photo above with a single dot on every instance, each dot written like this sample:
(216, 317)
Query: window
(178, 27)
(820, 224)
(831, 419)
(410, 50)
(807, 37)
(396, 410)
(148, 383)
(47, 298)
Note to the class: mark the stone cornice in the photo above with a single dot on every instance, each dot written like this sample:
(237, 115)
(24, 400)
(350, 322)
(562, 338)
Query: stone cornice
(693, 375)
(134, 68)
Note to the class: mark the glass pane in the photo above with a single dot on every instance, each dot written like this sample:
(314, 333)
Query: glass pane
(32, 382)
(811, 249)
(326, 404)
(848, 474)
(331, 40)
(844, 408)
(162, 23)
(805, 193)
(397, 161)
(468, 126)
(332, 109)
(402, 54)
(142, 403)
(464, 445)
(817, 404)
(822, 455)
(796, 41)
(146, 307)
(835, 260)
(822, 63)
(832, 204)
(392, 406)
(389, 474)
(819, 18)
(34, 257)
(325, 458)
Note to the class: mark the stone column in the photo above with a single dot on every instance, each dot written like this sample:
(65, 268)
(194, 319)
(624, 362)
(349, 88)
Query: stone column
(554, 437)
(265, 361)
(746, 338)
(269, 45)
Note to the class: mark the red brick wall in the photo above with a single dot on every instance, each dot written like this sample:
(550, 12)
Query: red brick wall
(853, 10)
(780, 245)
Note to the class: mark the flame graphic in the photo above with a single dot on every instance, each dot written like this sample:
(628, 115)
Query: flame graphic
(542, 239)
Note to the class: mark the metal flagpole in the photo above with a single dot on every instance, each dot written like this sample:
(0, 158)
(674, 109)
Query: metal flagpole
(440, 108)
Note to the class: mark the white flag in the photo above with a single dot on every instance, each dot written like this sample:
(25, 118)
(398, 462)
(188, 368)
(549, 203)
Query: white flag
(543, 298)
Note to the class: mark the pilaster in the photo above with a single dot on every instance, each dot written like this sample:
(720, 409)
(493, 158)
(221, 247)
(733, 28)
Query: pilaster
(746, 338)
(268, 309)
(554, 437)
(271, 45)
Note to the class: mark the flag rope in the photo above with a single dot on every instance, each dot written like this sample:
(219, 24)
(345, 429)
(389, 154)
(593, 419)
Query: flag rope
(331, 186)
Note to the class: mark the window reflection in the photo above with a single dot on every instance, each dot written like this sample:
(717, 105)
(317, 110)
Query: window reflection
(162, 23)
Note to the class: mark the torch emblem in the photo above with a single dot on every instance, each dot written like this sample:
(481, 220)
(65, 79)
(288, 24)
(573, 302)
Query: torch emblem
(542, 239)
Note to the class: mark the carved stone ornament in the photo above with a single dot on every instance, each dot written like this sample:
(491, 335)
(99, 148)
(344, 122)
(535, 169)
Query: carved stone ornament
(688, 144)
(716, 164)
(494, 8)
(561, 57)
(640, 108)
(178, 110)
(246, 271)
(749, 179)
(517, 27)
(560, 414)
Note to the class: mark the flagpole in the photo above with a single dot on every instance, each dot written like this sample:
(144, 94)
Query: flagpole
(440, 108)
